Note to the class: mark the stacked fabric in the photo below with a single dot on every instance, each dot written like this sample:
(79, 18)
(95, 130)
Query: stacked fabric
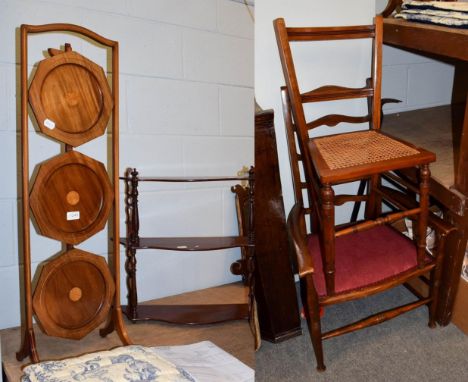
(199, 362)
(452, 14)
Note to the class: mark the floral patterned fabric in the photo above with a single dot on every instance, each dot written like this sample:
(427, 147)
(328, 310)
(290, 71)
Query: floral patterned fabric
(197, 362)
(131, 363)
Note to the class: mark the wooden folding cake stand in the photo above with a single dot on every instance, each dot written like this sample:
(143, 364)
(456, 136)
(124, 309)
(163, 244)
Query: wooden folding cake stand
(72, 196)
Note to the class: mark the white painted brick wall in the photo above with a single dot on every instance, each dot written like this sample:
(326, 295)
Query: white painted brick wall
(186, 107)
(416, 80)
(211, 57)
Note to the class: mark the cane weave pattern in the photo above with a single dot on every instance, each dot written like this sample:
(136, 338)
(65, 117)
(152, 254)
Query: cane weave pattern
(362, 147)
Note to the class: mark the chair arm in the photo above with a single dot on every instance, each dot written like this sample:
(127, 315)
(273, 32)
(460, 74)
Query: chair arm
(298, 239)
(401, 201)
(391, 6)
(443, 229)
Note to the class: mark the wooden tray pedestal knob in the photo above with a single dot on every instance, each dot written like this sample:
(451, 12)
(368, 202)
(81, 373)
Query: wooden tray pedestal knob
(73, 295)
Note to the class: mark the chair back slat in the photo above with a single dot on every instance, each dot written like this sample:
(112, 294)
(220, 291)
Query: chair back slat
(331, 33)
(334, 119)
(333, 92)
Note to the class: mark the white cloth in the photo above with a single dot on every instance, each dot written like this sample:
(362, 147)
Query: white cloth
(206, 362)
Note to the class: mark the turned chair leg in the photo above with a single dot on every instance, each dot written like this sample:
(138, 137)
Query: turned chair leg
(435, 278)
(424, 175)
(327, 207)
(373, 207)
(433, 304)
(312, 312)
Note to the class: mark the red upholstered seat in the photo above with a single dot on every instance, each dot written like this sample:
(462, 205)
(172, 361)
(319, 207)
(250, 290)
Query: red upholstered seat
(365, 258)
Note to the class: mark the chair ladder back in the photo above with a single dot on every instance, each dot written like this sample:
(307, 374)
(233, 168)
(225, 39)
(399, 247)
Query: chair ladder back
(292, 85)
(377, 74)
(296, 160)
(294, 157)
(372, 90)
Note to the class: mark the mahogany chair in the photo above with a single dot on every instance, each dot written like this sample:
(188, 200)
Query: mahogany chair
(353, 260)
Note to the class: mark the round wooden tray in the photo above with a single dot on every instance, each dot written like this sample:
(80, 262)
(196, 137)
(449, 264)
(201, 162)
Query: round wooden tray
(71, 98)
(73, 295)
(71, 197)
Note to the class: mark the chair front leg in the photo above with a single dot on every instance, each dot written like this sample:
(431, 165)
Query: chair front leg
(327, 207)
(312, 312)
(436, 275)
(424, 175)
(374, 202)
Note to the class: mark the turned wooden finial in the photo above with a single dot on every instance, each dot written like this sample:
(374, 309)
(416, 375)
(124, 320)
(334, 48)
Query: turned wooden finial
(54, 52)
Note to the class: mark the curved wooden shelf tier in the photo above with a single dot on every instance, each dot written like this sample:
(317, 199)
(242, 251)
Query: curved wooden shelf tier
(176, 179)
(190, 243)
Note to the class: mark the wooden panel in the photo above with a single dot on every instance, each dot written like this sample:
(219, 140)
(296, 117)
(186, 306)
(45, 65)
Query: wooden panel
(190, 314)
(448, 43)
(443, 41)
(274, 279)
(456, 247)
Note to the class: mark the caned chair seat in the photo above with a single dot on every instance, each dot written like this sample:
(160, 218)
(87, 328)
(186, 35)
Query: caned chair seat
(366, 258)
(350, 156)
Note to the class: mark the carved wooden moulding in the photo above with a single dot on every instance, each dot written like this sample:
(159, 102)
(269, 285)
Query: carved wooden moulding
(70, 97)
(73, 295)
(71, 197)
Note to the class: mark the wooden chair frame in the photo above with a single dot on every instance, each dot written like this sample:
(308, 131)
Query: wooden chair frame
(322, 200)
